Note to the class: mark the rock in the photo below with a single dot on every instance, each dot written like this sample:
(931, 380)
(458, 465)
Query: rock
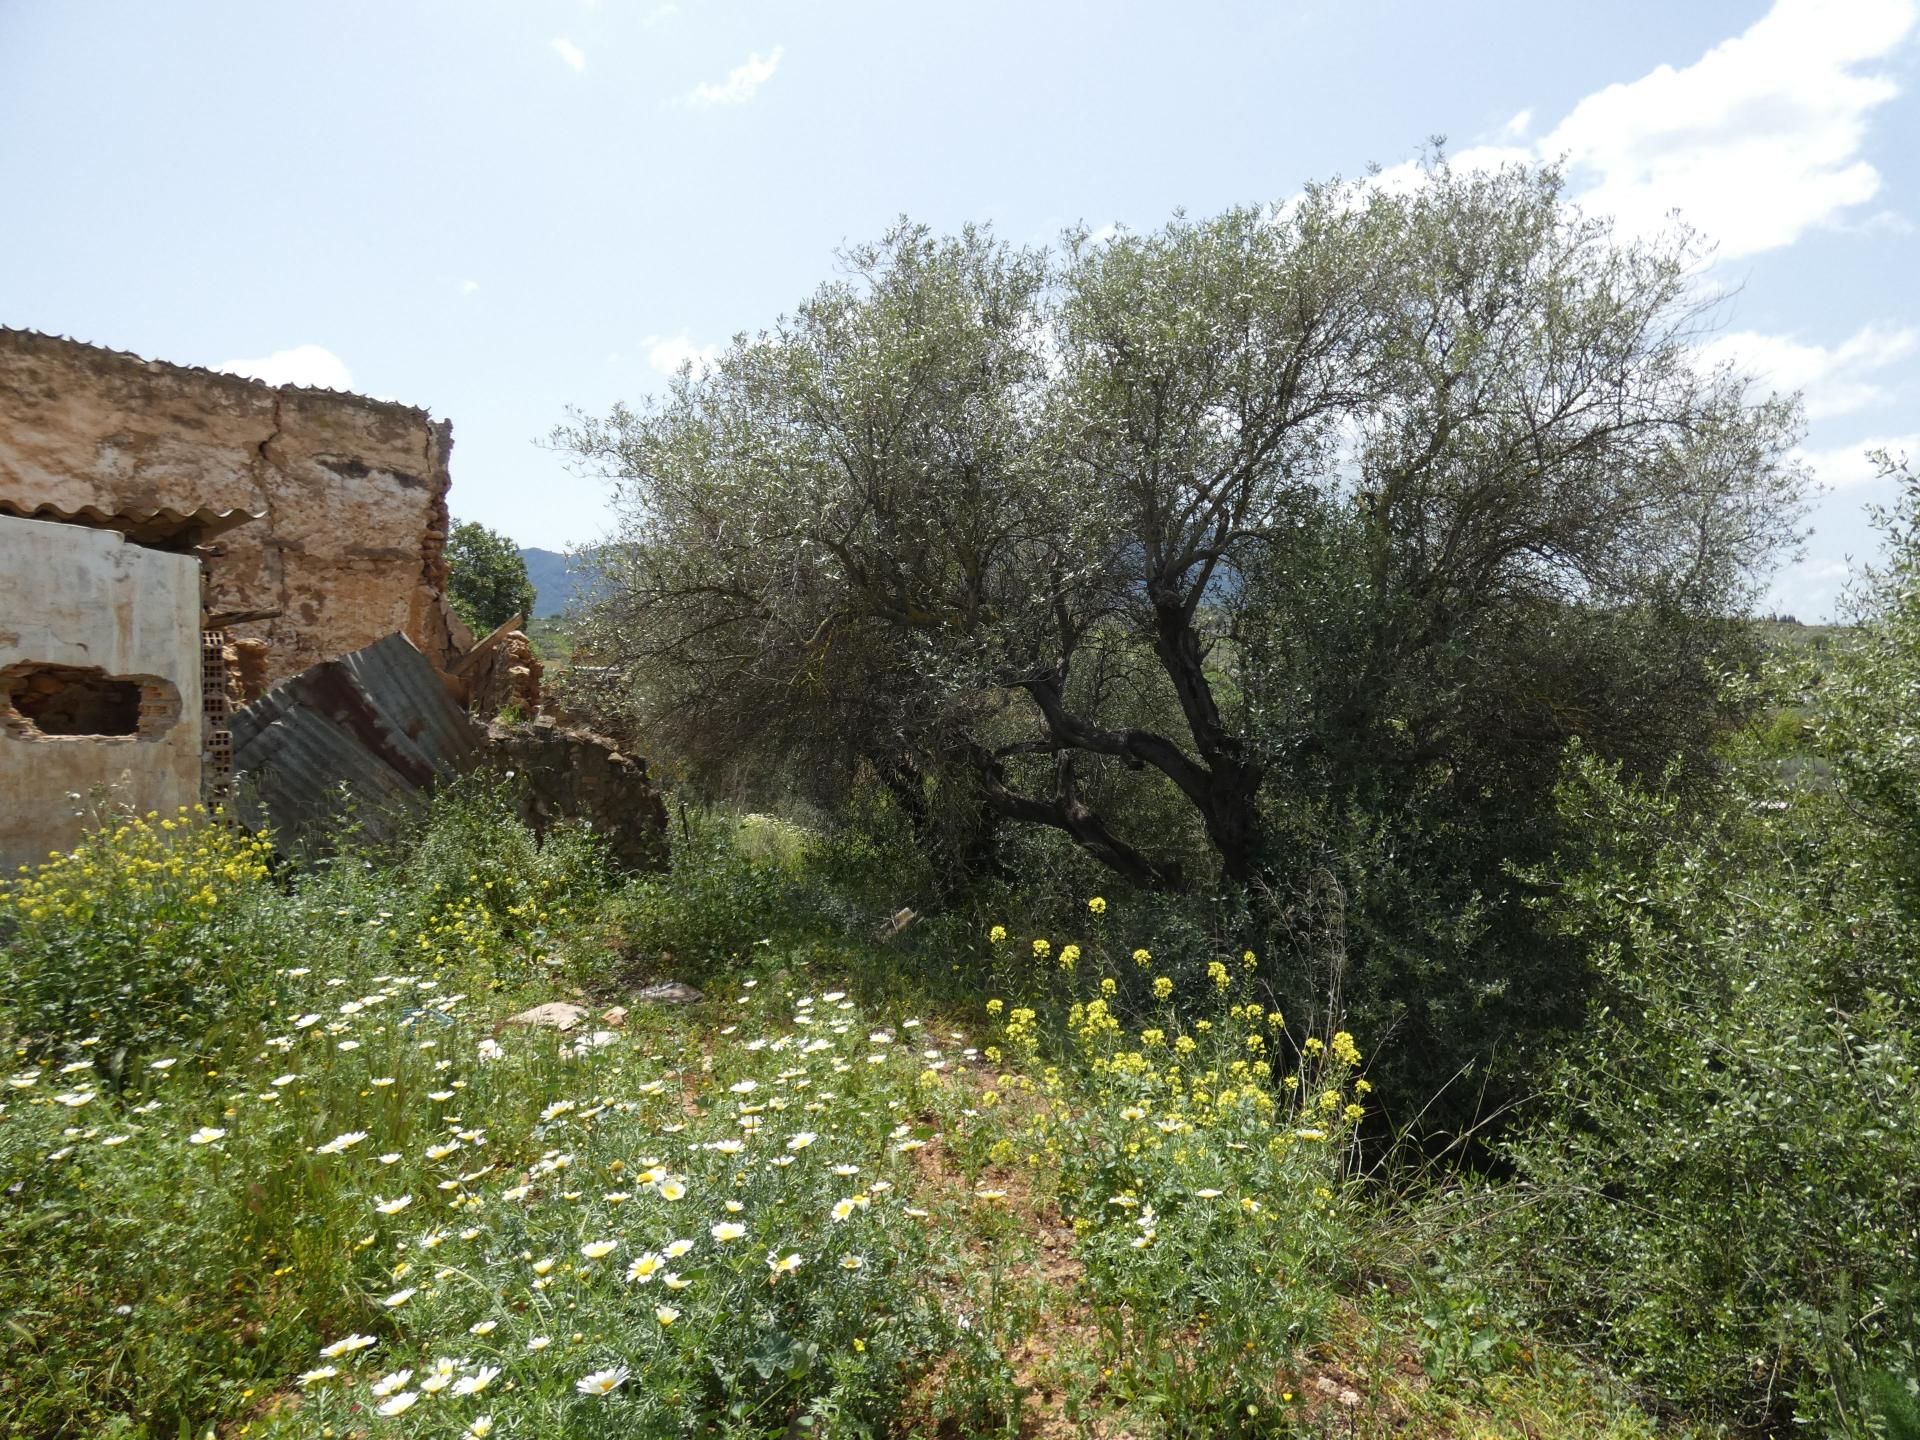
(555, 1015)
(670, 992)
(617, 1015)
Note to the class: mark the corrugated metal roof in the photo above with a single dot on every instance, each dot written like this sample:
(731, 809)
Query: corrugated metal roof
(363, 737)
(144, 525)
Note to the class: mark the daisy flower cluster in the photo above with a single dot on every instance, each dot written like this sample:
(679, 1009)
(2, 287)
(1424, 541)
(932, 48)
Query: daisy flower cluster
(523, 1224)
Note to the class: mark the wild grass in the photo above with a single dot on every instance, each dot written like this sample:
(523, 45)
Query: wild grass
(333, 1195)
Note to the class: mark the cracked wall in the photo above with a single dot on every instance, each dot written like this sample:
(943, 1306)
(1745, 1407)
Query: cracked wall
(352, 491)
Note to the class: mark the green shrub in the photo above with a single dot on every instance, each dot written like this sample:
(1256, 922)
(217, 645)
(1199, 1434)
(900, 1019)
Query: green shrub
(475, 883)
(1724, 1187)
(140, 935)
(717, 902)
(1199, 1147)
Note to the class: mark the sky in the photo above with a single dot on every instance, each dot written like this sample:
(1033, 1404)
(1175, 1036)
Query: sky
(500, 209)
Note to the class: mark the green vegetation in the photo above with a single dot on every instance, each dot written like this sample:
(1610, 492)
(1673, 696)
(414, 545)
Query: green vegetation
(343, 1200)
(552, 641)
(1272, 555)
(1496, 1013)
(486, 577)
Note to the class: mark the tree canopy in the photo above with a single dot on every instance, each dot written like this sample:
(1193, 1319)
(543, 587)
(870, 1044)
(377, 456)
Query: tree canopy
(486, 577)
(1370, 483)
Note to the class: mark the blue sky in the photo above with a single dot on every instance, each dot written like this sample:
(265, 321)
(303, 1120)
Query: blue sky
(497, 210)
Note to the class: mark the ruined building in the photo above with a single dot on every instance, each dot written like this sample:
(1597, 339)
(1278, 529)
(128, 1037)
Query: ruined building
(350, 494)
(99, 680)
(196, 568)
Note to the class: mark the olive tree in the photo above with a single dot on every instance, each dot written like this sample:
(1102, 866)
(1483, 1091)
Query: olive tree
(1005, 523)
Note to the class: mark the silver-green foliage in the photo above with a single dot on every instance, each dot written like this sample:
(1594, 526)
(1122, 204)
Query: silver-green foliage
(1726, 1180)
(984, 512)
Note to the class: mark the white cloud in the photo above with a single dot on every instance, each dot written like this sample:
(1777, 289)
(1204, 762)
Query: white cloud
(1753, 144)
(1757, 141)
(742, 82)
(667, 353)
(467, 287)
(571, 53)
(1846, 466)
(1835, 378)
(302, 365)
(659, 15)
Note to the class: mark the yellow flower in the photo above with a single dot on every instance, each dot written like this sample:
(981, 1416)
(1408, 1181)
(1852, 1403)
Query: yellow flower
(1162, 987)
(1142, 958)
(1069, 957)
(997, 934)
(1097, 905)
(1042, 949)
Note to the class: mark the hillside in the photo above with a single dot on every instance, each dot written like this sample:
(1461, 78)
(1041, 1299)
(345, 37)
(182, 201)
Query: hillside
(556, 577)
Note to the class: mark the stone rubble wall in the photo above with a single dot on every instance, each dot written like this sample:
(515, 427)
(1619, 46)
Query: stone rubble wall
(563, 774)
(506, 680)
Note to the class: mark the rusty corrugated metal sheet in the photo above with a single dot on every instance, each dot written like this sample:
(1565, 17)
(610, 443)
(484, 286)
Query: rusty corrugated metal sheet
(362, 737)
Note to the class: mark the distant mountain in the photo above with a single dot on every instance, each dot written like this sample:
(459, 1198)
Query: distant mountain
(558, 579)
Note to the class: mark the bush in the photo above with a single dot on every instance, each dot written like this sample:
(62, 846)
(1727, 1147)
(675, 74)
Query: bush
(1200, 1149)
(731, 886)
(139, 936)
(1725, 1186)
(475, 883)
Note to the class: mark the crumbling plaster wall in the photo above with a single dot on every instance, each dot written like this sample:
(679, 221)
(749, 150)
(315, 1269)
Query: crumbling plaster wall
(86, 600)
(352, 491)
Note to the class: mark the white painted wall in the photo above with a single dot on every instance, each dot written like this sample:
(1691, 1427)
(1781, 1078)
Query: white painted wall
(75, 596)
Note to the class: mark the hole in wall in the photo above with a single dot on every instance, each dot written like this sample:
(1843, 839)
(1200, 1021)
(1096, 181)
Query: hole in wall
(45, 701)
